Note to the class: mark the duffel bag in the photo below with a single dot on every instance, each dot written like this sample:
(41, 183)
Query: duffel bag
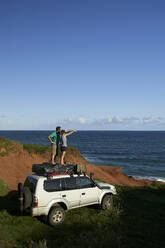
(42, 169)
(47, 169)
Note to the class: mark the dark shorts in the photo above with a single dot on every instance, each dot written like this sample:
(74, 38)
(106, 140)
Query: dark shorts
(63, 148)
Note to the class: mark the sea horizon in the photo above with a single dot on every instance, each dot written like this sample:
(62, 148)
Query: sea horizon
(85, 130)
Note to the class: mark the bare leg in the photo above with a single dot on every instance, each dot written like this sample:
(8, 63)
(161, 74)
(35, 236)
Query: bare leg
(62, 157)
(54, 147)
(53, 159)
(56, 153)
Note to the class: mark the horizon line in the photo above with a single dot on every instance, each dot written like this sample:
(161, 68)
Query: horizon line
(121, 130)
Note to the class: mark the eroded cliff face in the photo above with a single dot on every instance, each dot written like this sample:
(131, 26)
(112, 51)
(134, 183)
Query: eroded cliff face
(16, 164)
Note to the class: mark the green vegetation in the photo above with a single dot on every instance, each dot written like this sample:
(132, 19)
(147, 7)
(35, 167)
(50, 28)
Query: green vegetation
(36, 148)
(4, 188)
(6, 146)
(41, 149)
(136, 221)
(74, 150)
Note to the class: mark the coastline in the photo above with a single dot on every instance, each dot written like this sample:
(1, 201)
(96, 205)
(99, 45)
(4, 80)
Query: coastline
(149, 177)
(139, 154)
(16, 162)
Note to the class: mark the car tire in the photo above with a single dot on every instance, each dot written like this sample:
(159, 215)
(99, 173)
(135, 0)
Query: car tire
(107, 202)
(56, 216)
(20, 196)
(27, 198)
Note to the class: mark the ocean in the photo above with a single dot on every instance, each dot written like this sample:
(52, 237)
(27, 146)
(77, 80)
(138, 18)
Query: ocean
(140, 154)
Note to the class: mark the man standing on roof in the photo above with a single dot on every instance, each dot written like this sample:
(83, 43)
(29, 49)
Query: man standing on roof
(54, 138)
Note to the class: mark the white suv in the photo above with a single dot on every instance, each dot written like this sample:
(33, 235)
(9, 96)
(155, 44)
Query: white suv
(51, 197)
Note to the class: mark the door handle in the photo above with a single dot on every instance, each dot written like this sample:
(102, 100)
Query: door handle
(63, 195)
(83, 193)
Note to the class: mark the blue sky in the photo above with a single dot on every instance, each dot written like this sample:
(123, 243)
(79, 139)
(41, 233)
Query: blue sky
(84, 64)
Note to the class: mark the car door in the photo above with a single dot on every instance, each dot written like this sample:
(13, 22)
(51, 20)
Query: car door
(70, 192)
(89, 192)
(52, 191)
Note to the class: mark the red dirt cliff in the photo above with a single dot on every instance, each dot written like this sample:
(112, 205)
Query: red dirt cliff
(17, 164)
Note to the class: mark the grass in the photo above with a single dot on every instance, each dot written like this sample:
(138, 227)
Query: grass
(4, 188)
(6, 146)
(144, 215)
(74, 150)
(36, 148)
(41, 149)
(137, 220)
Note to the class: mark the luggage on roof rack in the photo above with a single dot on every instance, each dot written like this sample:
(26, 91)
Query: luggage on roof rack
(47, 169)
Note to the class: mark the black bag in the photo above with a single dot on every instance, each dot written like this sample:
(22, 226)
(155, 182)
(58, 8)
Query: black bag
(66, 169)
(42, 169)
(47, 169)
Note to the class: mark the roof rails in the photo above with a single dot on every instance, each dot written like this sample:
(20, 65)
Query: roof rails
(79, 174)
(50, 176)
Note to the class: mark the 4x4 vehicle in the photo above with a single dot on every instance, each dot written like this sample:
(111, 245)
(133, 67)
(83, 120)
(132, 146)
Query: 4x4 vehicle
(51, 197)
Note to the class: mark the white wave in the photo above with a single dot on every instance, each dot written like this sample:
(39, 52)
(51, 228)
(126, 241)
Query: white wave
(89, 158)
(92, 159)
(161, 179)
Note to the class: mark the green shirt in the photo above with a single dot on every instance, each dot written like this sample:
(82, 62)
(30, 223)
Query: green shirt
(55, 137)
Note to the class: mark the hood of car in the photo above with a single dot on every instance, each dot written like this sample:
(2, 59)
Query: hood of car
(103, 185)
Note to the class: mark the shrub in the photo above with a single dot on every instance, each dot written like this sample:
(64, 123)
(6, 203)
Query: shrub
(4, 188)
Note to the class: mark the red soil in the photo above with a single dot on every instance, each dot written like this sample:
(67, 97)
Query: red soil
(15, 166)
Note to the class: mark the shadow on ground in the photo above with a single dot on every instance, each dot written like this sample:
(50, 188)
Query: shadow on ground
(10, 203)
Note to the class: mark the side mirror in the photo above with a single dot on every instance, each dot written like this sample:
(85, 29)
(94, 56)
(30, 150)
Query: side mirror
(91, 175)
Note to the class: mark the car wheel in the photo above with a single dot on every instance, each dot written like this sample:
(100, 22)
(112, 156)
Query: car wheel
(107, 202)
(27, 197)
(56, 216)
(20, 196)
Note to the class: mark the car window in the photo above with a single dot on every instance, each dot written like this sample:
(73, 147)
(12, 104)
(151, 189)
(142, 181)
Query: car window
(31, 183)
(69, 183)
(84, 182)
(52, 185)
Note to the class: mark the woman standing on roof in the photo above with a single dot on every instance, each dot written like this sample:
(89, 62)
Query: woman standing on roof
(64, 134)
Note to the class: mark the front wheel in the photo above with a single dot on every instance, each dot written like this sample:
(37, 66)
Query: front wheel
(107, 202)
(56, 216)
